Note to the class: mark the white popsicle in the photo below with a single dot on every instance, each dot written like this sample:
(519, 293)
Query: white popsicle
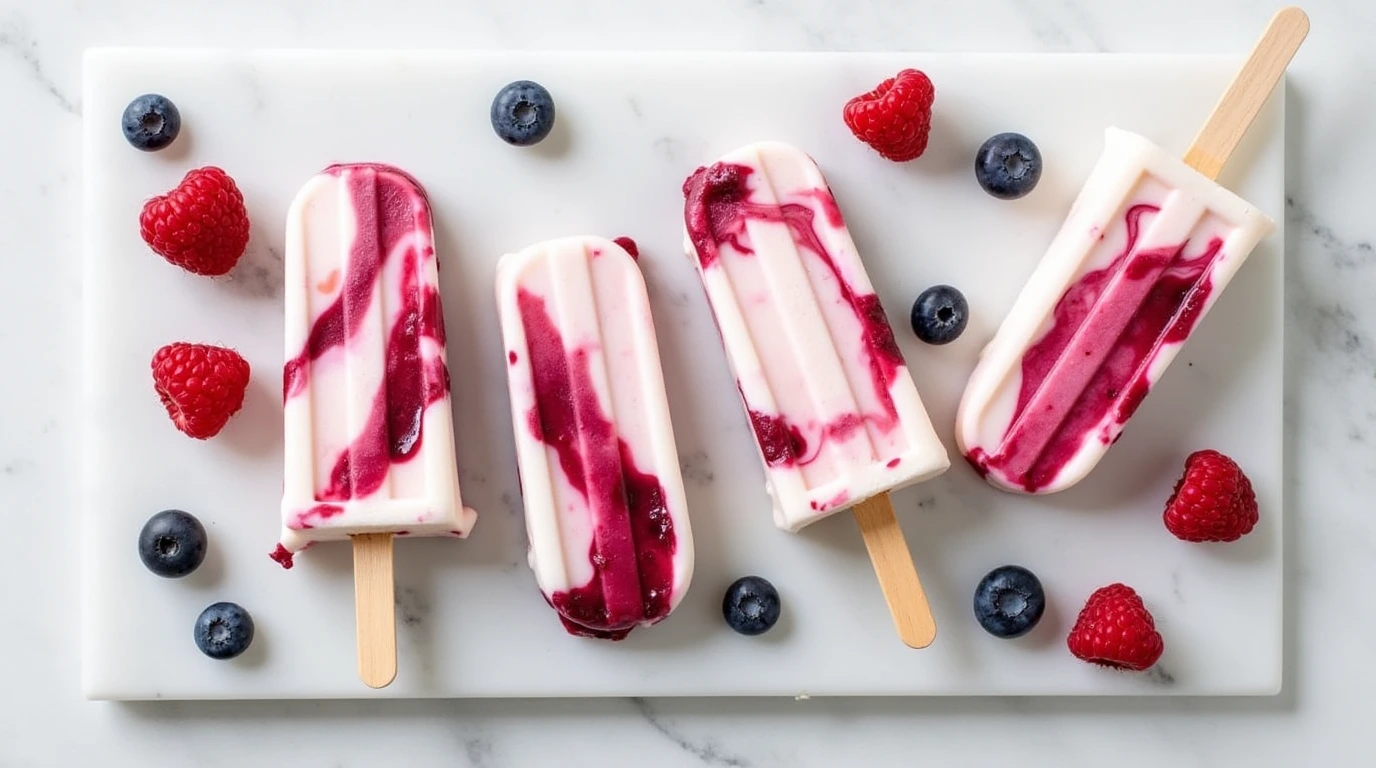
(606, 514)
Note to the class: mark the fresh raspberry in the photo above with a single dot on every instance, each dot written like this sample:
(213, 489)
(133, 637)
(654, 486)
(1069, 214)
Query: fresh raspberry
(201, 386)
(1212, 501)
(1115, 630)
(201, 226)
(895, 118)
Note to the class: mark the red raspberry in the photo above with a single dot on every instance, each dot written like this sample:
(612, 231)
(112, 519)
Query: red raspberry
(1212, 501)
(201, 226)
(895, 118)
(201, 386)
(1115, 630)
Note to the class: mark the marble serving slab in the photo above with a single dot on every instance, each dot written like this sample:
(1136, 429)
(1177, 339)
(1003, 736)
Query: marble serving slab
(630, 128)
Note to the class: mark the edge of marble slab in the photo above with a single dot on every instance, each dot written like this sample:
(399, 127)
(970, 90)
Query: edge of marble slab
(97, 51)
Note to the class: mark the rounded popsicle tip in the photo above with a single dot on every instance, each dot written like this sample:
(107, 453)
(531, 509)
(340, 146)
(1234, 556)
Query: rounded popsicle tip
(1036, 482)
(513, 266)
(336, 183)
(381, 169)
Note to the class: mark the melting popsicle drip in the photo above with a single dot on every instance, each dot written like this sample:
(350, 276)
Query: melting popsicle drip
(1094, 360)
(633, 535)
(283, 557)
(387, 220)
(719, 206)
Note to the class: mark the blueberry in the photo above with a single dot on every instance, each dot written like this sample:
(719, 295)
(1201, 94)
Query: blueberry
(1008, 165)
(751, 605)
(1009, 601)
(172, 543)
(940, 314)
(523, 113)
(223, 631)
(151, 122)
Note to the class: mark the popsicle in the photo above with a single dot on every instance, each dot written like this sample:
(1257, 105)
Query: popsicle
(1147, 248)
(369, 440)
(837, 420)
(606, 515)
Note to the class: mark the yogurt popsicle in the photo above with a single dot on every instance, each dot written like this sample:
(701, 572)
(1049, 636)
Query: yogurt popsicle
(368, 431)
(1148, 246)
(836, 416)
(1145, 252)
(606, 515)
(369, 441)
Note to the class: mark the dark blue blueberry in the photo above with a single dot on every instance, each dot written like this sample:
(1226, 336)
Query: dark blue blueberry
(1008, 165)
(1009, 601)
(151, 122)
(751, 605)
(523, 113)
(940, 314)
(223, 631)
(172, 543)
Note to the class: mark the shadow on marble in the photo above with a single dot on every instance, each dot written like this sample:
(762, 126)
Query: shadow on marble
(258, 429)
(734, 711)
(1296, 359)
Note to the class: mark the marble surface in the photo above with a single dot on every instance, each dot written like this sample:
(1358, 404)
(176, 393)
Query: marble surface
(1331, 409)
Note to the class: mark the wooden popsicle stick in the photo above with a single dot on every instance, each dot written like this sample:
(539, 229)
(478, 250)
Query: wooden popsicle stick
(1242, 101)
(893, 564)
(375, 608)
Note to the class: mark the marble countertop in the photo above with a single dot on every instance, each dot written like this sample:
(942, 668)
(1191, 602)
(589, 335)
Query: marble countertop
(1331, 410)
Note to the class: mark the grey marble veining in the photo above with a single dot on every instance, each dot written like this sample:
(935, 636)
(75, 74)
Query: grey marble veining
(1331, 404)
(18, 42)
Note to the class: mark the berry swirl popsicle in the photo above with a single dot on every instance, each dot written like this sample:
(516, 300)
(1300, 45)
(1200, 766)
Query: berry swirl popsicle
(606, 514)
(369, 438)
(1149, 244)
(837, 419)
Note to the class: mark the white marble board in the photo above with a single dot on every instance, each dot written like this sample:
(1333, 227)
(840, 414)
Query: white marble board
(631, 126)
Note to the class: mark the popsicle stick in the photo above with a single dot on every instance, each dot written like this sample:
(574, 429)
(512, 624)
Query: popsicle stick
(1248, 92)
(893, 564)
(375, 607)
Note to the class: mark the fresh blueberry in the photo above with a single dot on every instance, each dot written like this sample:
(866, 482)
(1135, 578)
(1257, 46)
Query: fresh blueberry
(1008, 165)
(1009, 601)
(523, 113)
(940, 314)
(751, 605)
(172, 543)
(223, 631)
(151, 122)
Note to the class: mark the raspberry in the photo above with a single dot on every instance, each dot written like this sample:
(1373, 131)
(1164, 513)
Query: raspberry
(1212, 501)
(200, 385)
(201, 225)
(896, 117)
(1115, 630)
